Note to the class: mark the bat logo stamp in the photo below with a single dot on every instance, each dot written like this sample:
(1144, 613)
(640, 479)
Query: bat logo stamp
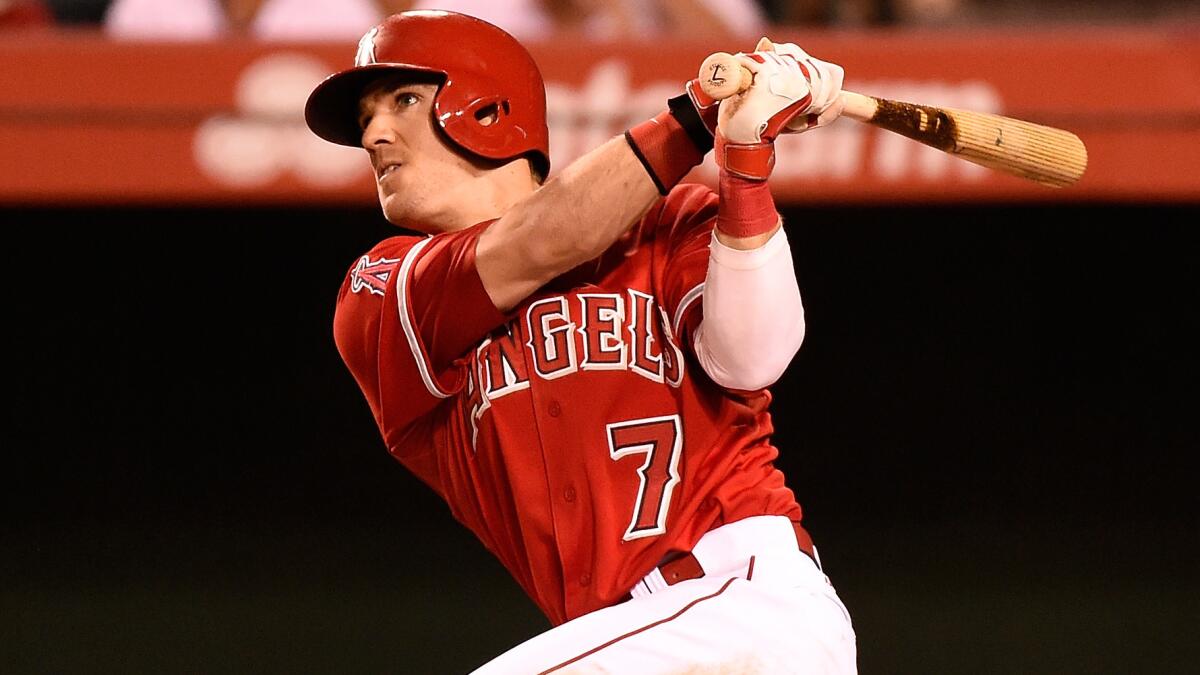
(715, 76)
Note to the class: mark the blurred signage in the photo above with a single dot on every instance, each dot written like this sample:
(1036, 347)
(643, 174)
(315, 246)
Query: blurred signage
(87, 120)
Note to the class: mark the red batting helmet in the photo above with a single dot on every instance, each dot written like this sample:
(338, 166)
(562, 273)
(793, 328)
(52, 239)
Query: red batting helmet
(485, 72)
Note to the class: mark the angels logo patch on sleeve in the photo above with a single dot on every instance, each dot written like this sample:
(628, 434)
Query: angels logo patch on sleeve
(372, 275)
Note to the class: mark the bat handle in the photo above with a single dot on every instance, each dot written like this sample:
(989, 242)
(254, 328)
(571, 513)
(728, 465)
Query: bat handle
(722, 76)
(859, 107)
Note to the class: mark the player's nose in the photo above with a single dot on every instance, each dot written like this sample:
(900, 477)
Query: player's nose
(378, 132)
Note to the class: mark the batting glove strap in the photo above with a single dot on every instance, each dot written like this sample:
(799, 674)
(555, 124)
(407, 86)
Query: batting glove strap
(751, 161)
(697, 113)
(666, 150)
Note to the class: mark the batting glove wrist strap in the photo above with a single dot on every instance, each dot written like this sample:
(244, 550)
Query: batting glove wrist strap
(746, 207)
(751, 161)
(665, 148)
(696, 112)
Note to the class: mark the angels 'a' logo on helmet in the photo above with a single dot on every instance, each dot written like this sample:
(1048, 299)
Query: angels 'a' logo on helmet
(372, 275)
(366, 48)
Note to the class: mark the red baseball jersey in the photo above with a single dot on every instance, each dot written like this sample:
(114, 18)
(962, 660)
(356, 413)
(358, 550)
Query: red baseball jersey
(576, 435)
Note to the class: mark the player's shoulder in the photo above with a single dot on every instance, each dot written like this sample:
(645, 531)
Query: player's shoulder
(388, 251)
(396, 246)
(370, 271)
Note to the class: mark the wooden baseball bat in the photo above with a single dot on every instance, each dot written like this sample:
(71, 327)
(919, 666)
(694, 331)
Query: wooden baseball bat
(1042, 154)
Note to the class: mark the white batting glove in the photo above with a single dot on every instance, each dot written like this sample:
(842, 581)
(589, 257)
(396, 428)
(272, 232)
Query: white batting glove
(825, 85)
(791, 92)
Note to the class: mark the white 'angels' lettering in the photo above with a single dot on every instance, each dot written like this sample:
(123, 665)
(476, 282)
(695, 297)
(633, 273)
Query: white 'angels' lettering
(615, 332)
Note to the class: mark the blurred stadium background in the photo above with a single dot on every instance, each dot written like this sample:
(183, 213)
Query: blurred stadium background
(988, 426)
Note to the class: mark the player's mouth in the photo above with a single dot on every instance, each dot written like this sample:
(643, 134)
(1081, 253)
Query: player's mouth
(385, 170)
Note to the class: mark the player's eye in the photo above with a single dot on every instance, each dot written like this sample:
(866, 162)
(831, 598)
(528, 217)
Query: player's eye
(405, 99)
(363, 121)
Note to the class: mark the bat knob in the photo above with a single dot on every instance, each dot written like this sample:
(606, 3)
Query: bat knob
(721, 76)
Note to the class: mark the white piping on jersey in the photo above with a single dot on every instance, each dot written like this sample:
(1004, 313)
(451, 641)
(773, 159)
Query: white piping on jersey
(688, 298)
(414, 344)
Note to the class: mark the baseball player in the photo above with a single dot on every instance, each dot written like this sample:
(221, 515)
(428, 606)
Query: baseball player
(578, 366)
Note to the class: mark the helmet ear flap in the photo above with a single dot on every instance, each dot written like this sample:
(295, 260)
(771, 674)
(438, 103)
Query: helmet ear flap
(489, 110)
(490, 124)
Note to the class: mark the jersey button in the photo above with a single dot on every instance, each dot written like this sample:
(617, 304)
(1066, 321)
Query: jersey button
(585, 579)
(569, 494)
(555, 409)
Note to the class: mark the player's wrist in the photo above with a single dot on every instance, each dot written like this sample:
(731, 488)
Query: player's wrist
(746, 208)
(665, 149)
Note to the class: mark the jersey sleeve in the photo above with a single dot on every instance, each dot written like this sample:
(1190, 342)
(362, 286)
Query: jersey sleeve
(685, 221)
(406, 312)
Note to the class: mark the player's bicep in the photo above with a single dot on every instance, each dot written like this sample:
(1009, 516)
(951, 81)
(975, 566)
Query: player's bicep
(385, 369)
(407, 311)
(442, 301)
(387, 379)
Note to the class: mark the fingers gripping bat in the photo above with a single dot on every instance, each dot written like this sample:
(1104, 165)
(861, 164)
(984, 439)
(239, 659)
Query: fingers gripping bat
(1042, 154)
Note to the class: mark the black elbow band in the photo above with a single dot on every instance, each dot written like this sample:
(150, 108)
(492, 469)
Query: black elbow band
(683, 110)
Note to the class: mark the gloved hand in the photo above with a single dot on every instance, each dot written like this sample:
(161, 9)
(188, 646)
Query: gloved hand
(791, 92)
(825, 85)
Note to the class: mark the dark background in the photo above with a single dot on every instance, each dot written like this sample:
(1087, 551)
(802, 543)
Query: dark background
(990, 426)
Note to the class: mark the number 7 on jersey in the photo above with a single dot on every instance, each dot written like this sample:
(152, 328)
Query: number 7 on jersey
(661, 440)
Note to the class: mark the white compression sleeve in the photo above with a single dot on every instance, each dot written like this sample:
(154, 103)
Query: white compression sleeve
(753, 317)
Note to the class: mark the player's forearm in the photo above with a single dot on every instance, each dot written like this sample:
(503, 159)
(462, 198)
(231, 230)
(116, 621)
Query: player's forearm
(573, 218)
(753, 316)
(753, 319)
(581, 212)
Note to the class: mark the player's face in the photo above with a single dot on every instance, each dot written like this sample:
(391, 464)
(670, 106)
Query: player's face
(422, 181)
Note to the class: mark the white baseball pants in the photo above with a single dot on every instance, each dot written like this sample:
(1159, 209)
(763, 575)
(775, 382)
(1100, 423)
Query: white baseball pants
(761, 607)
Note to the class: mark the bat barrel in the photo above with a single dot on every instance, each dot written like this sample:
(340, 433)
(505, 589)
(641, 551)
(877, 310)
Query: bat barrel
(1046, 155)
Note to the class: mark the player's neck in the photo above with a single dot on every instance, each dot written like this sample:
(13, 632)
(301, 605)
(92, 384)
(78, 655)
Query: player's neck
(491, 196)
